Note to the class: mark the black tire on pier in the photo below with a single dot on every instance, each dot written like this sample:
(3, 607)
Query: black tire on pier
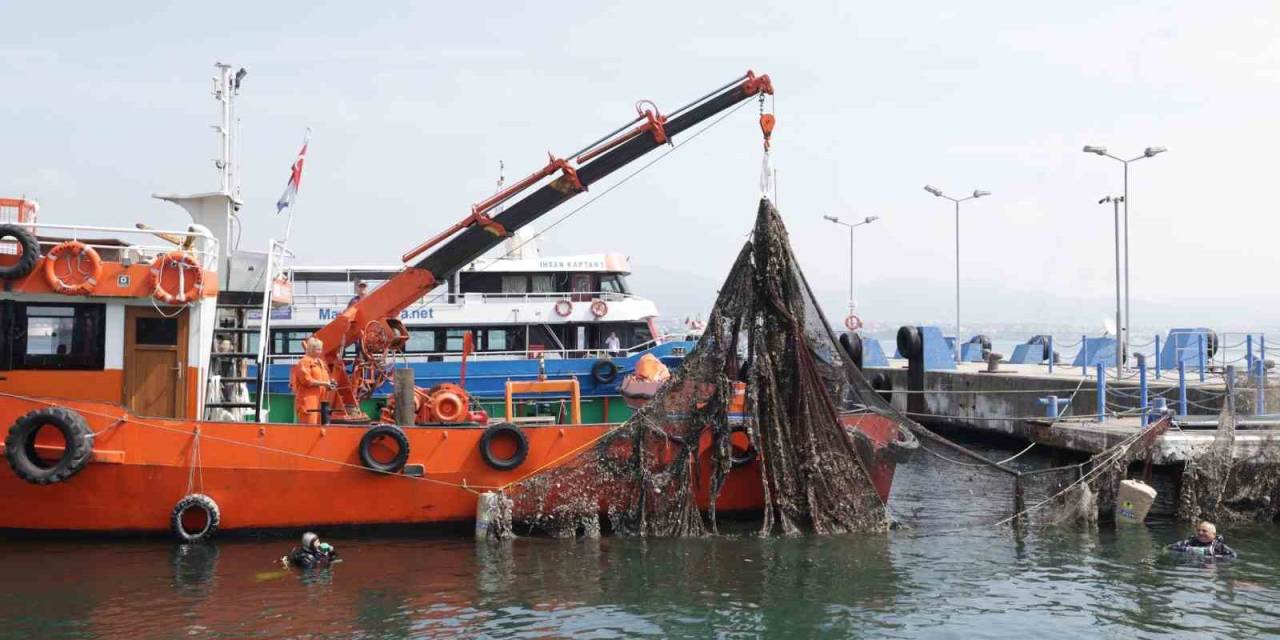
(30, 252)
(910, 344)
(378, 432)
(195, 518)
(604, 371)
(504, 429)
(20, 445)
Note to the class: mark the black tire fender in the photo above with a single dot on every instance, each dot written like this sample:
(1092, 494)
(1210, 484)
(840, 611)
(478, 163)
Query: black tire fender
(20, 445)
(516, 459)
(748, 455)
(384, 431)
(213, 517)
(30, 252)
(604, 371)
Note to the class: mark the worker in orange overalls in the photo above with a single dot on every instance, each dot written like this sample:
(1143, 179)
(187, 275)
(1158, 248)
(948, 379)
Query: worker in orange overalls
(310, 382)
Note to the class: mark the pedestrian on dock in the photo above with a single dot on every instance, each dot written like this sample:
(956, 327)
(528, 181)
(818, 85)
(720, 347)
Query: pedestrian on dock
(1205, 542)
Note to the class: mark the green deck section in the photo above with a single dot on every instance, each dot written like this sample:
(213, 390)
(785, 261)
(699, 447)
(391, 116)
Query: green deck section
(280, 408)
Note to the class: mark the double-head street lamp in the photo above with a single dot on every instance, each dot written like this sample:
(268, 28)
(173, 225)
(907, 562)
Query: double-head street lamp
(977, 193)
(1149, 152)
(1115, 203)
(866, 220)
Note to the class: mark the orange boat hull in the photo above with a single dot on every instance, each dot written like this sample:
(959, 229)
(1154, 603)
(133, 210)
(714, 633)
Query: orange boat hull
(274, 476)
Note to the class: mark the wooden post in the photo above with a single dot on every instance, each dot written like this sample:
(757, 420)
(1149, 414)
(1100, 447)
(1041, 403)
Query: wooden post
(403, 390)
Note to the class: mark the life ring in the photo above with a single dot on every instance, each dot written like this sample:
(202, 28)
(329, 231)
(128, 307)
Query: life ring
(604, 371)
(599, 308)
(748, 455)
(195, 518)
(563, 308)
(852, 322)
(378, 432)
(20, 445)
(185, 263)
(75, 251)
(508, 463)
(27, 259)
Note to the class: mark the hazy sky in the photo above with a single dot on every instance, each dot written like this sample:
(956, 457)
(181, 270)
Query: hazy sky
(412, 106)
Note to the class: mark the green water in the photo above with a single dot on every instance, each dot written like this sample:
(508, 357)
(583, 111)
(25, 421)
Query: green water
(1066, 582)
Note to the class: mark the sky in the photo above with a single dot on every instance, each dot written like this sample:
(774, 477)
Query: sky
(413, 105)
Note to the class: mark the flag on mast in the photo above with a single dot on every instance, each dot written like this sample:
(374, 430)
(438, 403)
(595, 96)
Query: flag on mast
(295, 178)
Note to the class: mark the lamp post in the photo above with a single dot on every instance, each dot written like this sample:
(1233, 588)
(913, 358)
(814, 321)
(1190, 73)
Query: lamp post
(1115, 203)
(977, 193)
(866, 220)
(1149, 152)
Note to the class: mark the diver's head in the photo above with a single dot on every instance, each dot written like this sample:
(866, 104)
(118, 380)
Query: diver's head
(1206, 532)
(309, 541)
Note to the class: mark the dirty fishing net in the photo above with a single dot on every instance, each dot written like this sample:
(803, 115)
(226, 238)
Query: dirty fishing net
(1221, 487)
(765, 416)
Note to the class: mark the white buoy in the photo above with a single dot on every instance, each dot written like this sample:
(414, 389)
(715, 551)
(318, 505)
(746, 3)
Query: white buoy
(493, 516)
(1133, 501)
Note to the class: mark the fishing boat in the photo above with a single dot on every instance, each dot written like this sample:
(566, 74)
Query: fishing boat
(109, 369)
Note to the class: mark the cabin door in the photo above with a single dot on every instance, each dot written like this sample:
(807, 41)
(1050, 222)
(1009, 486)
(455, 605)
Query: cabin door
(155, 363)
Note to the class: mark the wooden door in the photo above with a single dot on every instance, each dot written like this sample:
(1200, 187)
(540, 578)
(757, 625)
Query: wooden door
(155, 363)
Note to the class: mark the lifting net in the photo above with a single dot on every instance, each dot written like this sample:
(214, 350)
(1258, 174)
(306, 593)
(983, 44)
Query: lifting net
(769, 416)
(782, 449)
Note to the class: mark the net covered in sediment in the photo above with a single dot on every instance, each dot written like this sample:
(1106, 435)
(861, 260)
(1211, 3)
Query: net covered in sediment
(665, 471)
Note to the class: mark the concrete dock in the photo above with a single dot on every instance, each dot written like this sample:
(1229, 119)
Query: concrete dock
(1013, 402)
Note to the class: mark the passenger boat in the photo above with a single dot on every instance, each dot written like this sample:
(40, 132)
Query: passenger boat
(108, 369)
(530, 315)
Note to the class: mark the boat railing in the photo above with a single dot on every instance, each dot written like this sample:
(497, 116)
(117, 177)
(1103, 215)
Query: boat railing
(106, 241)
(522, 354)
(580, 297)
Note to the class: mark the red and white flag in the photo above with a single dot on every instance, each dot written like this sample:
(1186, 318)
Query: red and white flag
(295, 178)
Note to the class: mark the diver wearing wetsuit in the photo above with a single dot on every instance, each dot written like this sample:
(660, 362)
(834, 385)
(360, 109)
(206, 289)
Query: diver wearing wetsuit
(312, 553)
(1206, 542)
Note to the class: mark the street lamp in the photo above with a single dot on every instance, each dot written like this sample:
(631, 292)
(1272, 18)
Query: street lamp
(866, 220)
(977, 193)
(1115, 203)
(1149, 152)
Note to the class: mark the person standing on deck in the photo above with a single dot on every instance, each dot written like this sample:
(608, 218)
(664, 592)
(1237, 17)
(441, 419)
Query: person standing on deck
(612, 344)
(310, 382)
(362, 288)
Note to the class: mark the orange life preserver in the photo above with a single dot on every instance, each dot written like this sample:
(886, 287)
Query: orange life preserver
(852, 322)
(191, 286)
(599, 308)
(75, 252)
(564, 308)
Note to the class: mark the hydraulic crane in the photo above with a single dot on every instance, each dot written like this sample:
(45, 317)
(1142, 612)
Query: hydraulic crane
(373, 325)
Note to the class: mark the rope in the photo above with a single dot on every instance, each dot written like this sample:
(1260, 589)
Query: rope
(142, 423)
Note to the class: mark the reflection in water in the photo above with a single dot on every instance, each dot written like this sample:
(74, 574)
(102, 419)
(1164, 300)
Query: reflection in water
(915, 582)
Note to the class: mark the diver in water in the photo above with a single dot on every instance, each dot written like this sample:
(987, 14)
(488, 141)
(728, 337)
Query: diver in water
(312, 553)
(1206, 542)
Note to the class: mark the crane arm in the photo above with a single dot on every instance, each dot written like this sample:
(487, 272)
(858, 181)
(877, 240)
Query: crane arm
(374, 320)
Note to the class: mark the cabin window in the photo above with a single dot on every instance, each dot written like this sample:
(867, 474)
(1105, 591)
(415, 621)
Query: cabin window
(289, 341)
(421, 341)
(453, 339)
(495, 340)
(542, 283)
(157, 331)
(515, 284)
(55, 336)
(612, 284)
